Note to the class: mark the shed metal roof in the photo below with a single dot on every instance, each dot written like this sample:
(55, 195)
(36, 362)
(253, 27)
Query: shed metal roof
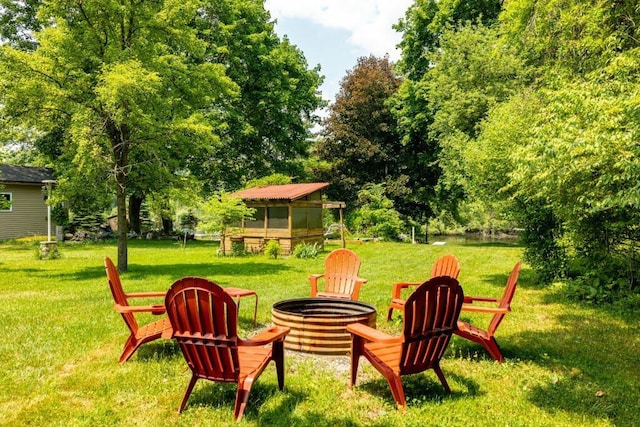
(25, 174)
(281, 192)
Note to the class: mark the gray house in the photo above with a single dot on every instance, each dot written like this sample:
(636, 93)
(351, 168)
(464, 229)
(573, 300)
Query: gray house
(22, 186)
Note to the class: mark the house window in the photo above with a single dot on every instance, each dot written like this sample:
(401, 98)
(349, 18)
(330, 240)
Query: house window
(278, 217)
(6, 202)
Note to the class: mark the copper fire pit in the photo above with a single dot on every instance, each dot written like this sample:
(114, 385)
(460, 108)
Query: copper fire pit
(319, 325)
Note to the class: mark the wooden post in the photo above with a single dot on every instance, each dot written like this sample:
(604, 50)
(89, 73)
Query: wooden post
(342, 230)
(337, 205)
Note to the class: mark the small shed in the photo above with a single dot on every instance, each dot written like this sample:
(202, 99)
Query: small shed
(22, 186)
(290, 214)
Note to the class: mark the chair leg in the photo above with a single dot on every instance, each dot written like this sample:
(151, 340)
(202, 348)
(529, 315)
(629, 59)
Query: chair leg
(443, 380)
(242, 397)
(187, 393)
(357, 344)
(255, 311)
(278, 357)
(130, 347)
(389, 314)
(494, 351)
(395, 383)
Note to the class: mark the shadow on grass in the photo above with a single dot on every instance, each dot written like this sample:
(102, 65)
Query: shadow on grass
(594, 367)
(222, 396)
(423, 387)
(209, 270)
(160, 349)
(141, 271)
(526, 280)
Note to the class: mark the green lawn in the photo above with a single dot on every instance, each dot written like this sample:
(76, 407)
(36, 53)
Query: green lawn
(567, 364)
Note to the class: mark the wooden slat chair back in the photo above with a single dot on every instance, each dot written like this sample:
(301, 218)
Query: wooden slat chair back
(446, 265)
(119, 297)
(501, 307)
(504, 303)
(341, 268)
(204, 321)
(198, 309)
(138, 335)
(431, 315)
(430, 318)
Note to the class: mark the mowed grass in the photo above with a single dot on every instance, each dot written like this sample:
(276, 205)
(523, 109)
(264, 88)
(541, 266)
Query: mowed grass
(567, 364)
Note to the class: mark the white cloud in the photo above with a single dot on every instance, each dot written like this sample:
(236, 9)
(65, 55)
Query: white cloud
(368, 21)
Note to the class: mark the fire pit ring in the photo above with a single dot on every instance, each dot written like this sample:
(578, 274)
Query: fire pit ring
(319, 325)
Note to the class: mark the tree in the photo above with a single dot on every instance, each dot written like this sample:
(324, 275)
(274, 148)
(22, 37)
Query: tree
(121, 82)
(221, 211)
(267, 127)
(18, 22)
(359, 138)
(376, 215)
(567, 141)
(274, 179)
(423, 27)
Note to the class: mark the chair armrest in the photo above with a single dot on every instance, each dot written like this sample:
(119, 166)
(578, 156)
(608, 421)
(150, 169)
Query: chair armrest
(398, 287)
(313, 279)
(276, 333)
(469, 299)
(358, 282)
(368, 333)
(488, 310)
(153, 309)
(145, 294)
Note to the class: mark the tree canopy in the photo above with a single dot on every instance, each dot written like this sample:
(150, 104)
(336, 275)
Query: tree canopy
(141, 92)
(537, 110)
(359, 138)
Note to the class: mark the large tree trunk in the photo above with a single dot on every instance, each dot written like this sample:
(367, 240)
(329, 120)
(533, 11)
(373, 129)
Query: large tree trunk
(123, 226)
(167, 225)
(119, 136)
(135, 204)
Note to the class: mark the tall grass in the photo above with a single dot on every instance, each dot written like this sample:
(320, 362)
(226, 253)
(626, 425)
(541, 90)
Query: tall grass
(567, 364)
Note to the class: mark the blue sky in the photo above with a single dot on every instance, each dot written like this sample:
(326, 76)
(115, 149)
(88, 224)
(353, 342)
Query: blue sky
(335, 33)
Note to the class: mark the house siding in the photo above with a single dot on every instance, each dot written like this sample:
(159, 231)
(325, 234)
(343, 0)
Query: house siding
(28, 216)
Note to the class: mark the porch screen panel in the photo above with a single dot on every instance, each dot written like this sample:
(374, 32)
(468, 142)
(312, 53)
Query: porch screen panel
(258, 221)
(315, 218)
(278, 217)
(299, 218)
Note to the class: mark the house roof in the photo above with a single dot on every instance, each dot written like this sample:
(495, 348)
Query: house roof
(281, 192)
(25, 174)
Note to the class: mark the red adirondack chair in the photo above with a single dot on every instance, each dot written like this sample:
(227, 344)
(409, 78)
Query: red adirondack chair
(503, 306)
(340, 276)
(139, 334)
(446, 265)
(430, 316)
(204, 323)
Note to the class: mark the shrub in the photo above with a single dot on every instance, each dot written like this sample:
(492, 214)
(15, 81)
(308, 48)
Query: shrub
(305, 250)
(272, 249)
(238, 249)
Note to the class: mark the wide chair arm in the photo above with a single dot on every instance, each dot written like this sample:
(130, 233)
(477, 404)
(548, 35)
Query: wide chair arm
(145, 294)
(398, 287)
(276, 333)
(153, 309)
(370, 334)
(486, 310)
(470, 299)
